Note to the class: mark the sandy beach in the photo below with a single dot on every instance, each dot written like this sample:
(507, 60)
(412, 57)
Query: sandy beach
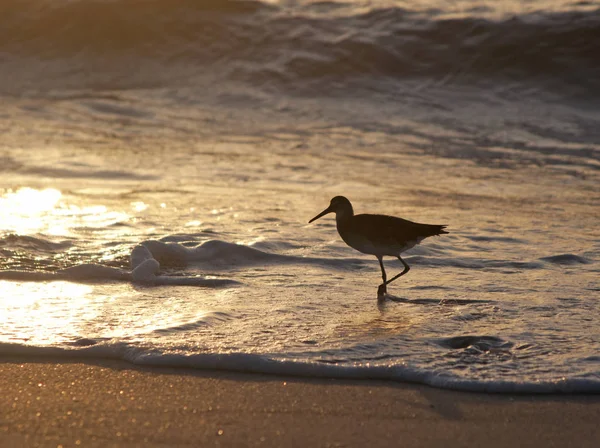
(51, 404)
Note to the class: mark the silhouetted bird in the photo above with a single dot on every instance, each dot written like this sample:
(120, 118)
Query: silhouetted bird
(378, 235)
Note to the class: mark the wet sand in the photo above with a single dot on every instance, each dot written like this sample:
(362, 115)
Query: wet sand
(49, 404)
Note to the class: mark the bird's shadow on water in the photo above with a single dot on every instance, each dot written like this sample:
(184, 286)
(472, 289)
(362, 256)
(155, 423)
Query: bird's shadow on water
(387, 298)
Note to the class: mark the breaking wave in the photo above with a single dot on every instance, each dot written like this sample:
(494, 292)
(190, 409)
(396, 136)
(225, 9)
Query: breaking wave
(250, 41)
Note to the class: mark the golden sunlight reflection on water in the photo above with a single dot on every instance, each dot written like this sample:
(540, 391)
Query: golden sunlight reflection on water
(53, 313)
(29, 211)
(23, 211)
(28, 311)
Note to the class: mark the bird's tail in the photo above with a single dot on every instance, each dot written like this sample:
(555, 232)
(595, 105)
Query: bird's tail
(438, 230)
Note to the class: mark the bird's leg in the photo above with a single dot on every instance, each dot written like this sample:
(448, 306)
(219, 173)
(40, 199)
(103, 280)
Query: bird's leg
(406, 269)
(382, 288)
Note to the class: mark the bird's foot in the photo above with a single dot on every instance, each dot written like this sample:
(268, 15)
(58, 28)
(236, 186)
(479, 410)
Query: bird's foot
(381, 291)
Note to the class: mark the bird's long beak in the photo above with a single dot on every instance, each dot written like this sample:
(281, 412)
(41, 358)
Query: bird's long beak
(323, 213)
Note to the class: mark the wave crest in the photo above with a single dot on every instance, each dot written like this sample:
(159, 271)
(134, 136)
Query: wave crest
(253, 41)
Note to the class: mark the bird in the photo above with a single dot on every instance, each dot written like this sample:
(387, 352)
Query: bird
(379, 235)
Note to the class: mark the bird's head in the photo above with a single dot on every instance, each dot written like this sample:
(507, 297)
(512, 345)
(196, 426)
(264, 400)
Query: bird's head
(338, 205)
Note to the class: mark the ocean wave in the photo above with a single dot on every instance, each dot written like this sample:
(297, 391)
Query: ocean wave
(566, 259)
(207, 320)
(277, 365)
(481, 343)
(262, 43)
(149, 257)
(39, 244)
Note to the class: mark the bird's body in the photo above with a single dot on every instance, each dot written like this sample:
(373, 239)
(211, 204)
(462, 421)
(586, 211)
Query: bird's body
(378, 235)
(381, 235)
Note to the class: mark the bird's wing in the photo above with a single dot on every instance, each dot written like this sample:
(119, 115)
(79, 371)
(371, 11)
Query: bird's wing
(391, 229)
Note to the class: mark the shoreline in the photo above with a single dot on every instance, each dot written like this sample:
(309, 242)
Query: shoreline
(69, 402)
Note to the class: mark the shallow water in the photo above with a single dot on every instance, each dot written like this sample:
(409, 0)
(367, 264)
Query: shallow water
(98, 155)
